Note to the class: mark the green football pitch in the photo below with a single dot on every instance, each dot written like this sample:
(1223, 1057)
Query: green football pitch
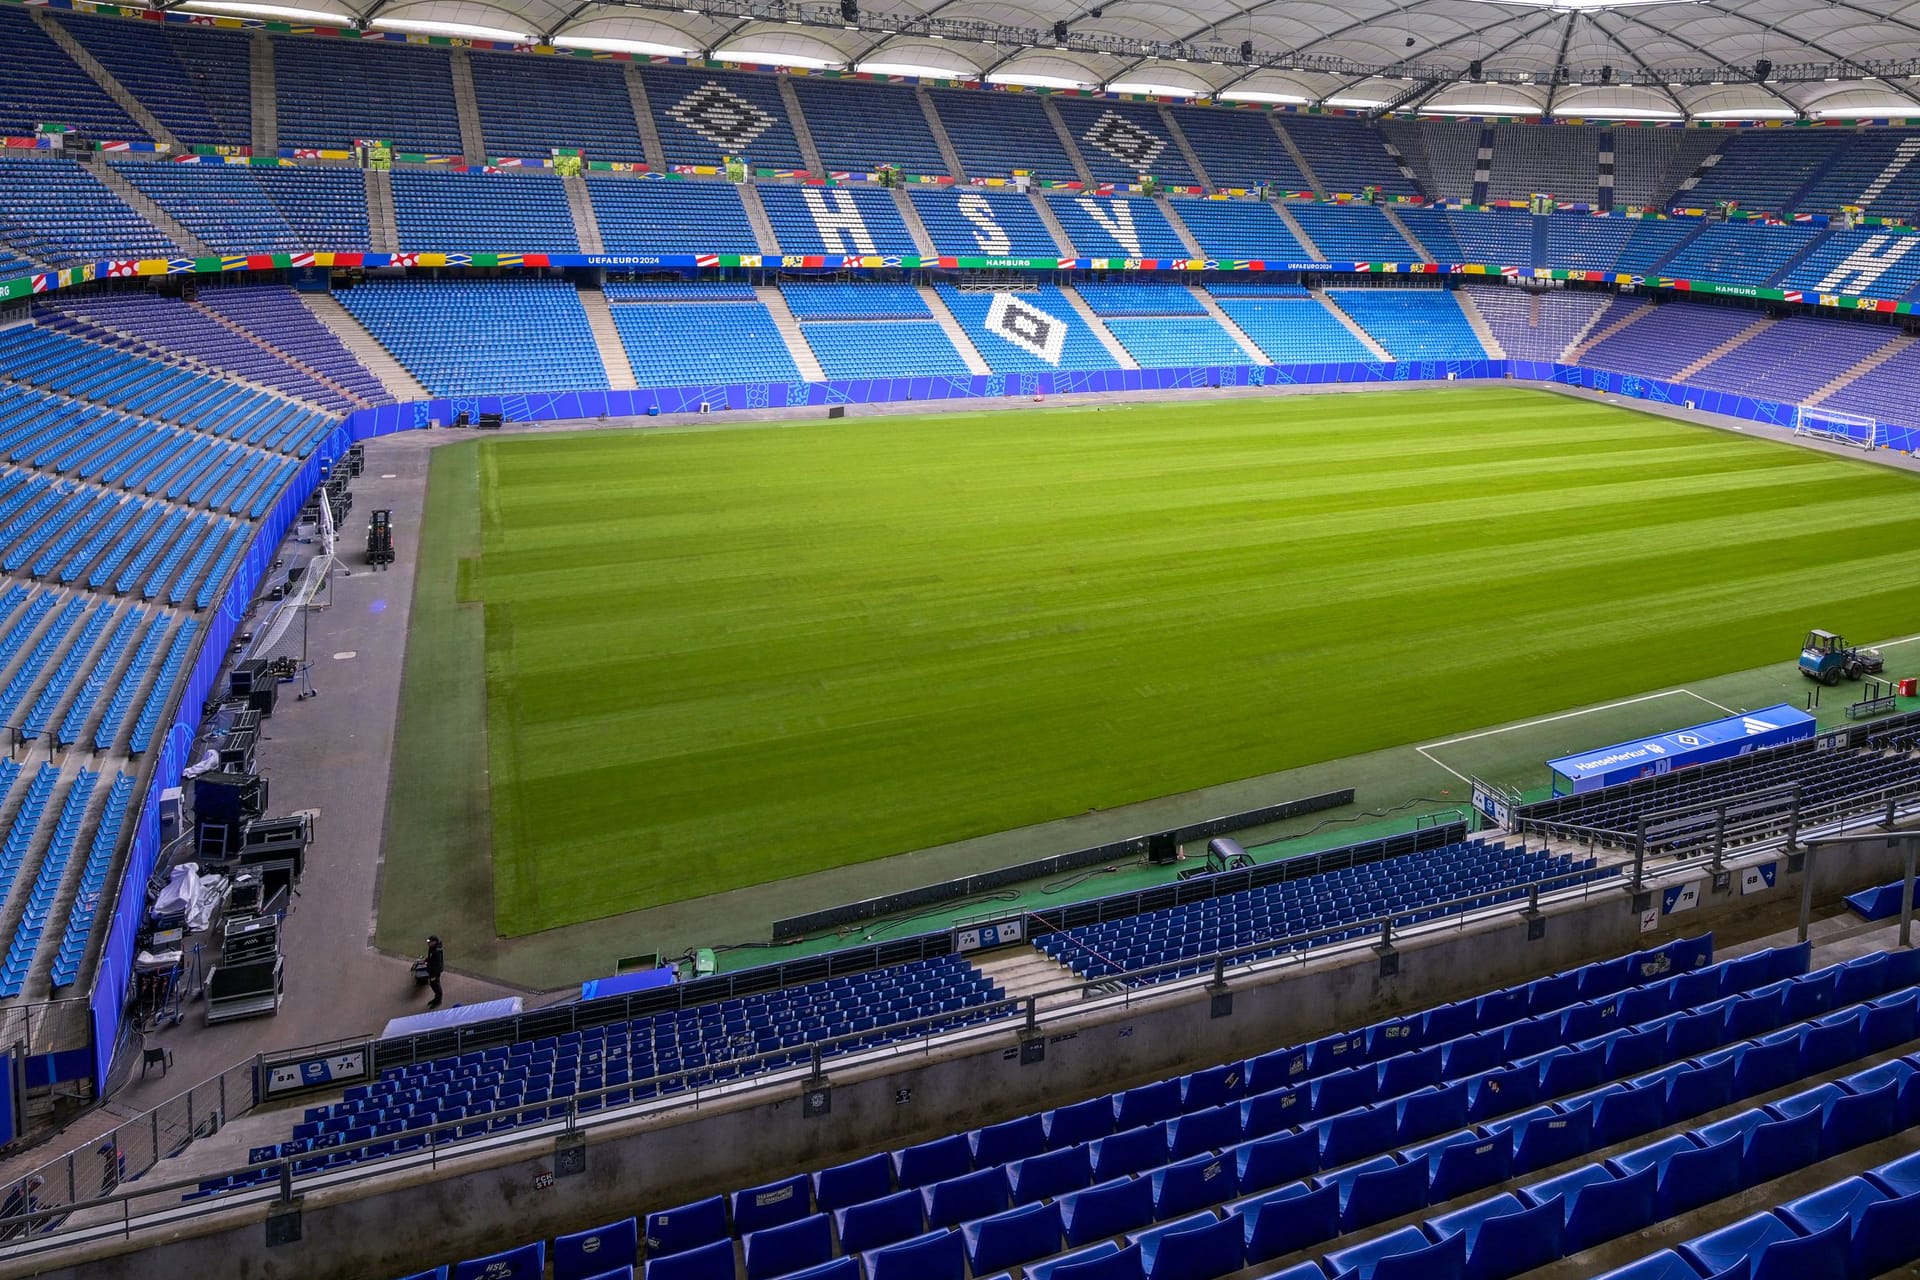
(721, 657)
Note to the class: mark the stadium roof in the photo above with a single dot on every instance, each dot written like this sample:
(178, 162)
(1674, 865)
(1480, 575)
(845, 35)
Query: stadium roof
(1620, 58)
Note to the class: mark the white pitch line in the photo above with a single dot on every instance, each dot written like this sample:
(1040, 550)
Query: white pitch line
(1449, 768)
(1710, 702)
(1565, 715)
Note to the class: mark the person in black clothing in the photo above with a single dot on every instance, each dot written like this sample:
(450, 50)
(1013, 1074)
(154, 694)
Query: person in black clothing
(436, 963)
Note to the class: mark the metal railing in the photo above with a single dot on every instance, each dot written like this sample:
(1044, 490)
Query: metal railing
(98, 1202)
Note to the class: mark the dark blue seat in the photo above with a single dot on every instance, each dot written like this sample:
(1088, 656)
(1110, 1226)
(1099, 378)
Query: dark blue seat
(1011, 1140)
(771, 1205)
(1777, 1147)
(1383, 1193)
(791, 1246)
(528, 1262)
(1405, 1254)
(1293, 1217)
(1845, 1201)
(1468, 1164)
(1199, 1248)
(1504, 1237)
(1208, 1129)
(1395, 1036)
(1535, 1035)
(1756, 1013)
(1190, 1184)
(1146, 1105)
(1572, 1071)
(1608, 977)
(1275, 1070)
(1767, 1066)
(853, 1182)
(1590, 1019)
(1699, 1090)
(1335, 1052)
(1106, 1209)
(1430, 1111)
(1898, 1178)
(1010, 1238)
(1470, 1055)
(1604, 1208)
(1130, 1151)
(1699, 1176)
(876, 1223)
(1890, 1021)
(1812, 995)
(937, 1255)
(1355, 1135)
(1628, 1113)
(842, 1268)
(1885, 1238)
(1213, 1087)
(1268, 1162)
(601, 1249)
(972, 1195)
(1104, 1261)
(1277, 1109)
(1552, 993)
(703, 1262)
(1664, 1265)
(930, 1162)
(687, 1227)
(437, 1273)
(1859, 1118)
(1501, 1091)
(1550, 1139)
(1830, 1042)
(1081, 1122)
(1738, 1244)
(1073, 1258)
(1862, 978)
(1448, 1021)
(1406, 1072)
(1050, 1175)
(1498, 1008)
(1345, 1090)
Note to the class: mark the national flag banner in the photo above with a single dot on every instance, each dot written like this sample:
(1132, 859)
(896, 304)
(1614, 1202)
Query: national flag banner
(236, 262)
(40, 283)
(261, 262)
(403, 260)
(509, 259)
(1791, 295)
(535, 260)
(121, 268)
(1510, 273)
(706, 260)
(300, 259)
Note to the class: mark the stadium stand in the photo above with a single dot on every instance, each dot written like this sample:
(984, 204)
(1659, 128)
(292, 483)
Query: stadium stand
(703, 117)
(247, 210)
(1289, 324)
(1117, 227)
(1536, 324)
(857, 128)
(1669, 338)
(40, 83)
(1875, 172)
(1443, 152)
(1240, 228)
(1412, 324)
(1580, 242)
(470, 337)
(871, 331)
(1161, 325)
(1239, 148)
(1865, 261)
(294, 333)
(1885, 392)
(331, 92)
(994, 223)
(1563, 163)
(57, 213)
(1122, 140)
(999, 134)
(1346, 155)
(689, 336)
(1765, 174)
(1501, 239)
(834, 300)
(1351, 233)
(1650, 164)
(1433, 228)
(1001, 323)
(1732, 254)
(530, 105)
(862, 220)
(1794, 358)
(194, 80)
(468, 211)
(669, 217)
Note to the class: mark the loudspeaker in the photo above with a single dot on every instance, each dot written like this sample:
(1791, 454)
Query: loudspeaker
(1476, 70)
(263, 695)
(1162, 848)
(1246, 51)
(1762, 69)
(1059, 32)
(228, 798)
(490, 421)
(837, 411)
(249, 675)
(462, 420)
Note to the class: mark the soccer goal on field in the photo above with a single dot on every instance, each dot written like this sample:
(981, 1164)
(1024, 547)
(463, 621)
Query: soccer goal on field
(1842, 428)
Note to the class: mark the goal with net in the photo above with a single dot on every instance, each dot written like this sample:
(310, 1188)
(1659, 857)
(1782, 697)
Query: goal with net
(1841, 428)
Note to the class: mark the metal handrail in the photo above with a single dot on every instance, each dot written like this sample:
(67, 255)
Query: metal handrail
(591, 1109)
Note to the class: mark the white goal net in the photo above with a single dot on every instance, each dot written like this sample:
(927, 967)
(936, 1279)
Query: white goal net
(1841, 428)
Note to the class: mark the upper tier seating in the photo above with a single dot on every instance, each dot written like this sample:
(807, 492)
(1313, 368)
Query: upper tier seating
(1239, 148)
(1728, 253)
(1443, 152)
(1668, 338)
(1117, 227)
(1881, 264)
(443, 210)
(275, 314)
(1763, 170)
(1580, 242)
(59, 213)
(1879, 171)
(836, 300)
(857, 128)
(1329, 900)
(331, 92)
(529, 105)
(672, 340)
(1650, 164)
(1240, 228)
(242, 209)
(998, 133)
(1352, 233)
(472, 337)
(1536, 324)
(1048, 332)
(1413, 324)
(1348, 156)
(1884, 392)
(1563, 162)
(703, 117)
(1502, 239)
(996, 224)
(40, 83)
(1122, 140)
(1794, 358)
(859, 220)
(669, 217)
(193, 79)
(1290, 325)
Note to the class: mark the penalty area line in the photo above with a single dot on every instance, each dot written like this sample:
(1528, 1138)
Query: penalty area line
(1429, 748)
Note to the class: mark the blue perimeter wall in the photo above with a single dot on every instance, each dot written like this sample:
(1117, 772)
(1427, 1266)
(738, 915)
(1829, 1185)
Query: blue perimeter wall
(108, 999)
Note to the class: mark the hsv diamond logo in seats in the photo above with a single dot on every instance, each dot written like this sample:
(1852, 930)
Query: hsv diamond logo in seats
(721, 117)
(1026, 327)
(1124, 140)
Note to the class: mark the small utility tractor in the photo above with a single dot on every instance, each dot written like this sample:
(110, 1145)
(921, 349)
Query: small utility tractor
(1825, 657)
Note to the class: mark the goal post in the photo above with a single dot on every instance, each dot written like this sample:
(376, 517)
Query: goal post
(1841, 428)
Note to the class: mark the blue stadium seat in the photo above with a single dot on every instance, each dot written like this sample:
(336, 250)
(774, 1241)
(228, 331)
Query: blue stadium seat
(584, 1254)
